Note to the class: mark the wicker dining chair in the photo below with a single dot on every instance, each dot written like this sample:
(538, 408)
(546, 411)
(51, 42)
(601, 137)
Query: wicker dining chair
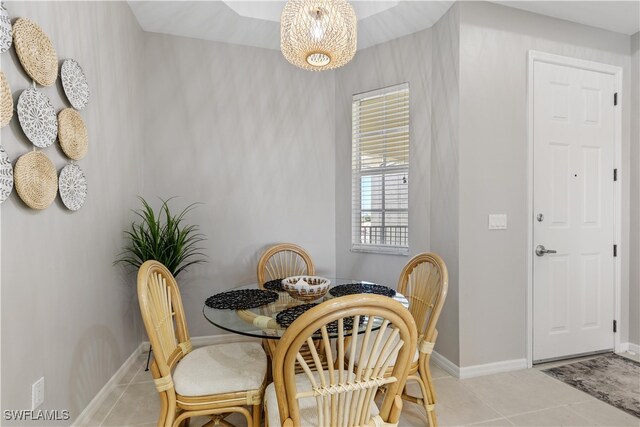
(342, 394)
(424, 282)
(214, 380)
(279, 262)
(284, 260)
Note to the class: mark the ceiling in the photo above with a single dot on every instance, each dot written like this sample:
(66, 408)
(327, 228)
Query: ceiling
(257, 23)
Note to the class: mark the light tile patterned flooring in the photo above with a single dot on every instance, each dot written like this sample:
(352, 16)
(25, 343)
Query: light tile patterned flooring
(521, 398)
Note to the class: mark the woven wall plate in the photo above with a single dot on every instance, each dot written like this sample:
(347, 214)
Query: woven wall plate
(5, 30)
(74, 83)
(35, 51)
(72, 134)
(6, 101)
(36, 180)
(6, 175)
(73, 186)
(37, 117)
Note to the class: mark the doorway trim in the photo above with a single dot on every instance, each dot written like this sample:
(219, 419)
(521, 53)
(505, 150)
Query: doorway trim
(538, 56)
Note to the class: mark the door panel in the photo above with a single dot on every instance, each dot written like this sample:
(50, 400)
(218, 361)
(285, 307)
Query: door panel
(573, 137)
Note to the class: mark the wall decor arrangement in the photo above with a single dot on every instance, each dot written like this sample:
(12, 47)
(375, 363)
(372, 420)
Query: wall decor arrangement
(36, 180)
(6, 101)
(74, 83)
(6, 175)
(72, 134)
(5, 30)
(37, 117)
(35, 52)
(73, 186)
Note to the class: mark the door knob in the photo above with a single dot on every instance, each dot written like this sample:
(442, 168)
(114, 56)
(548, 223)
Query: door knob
(541, 250)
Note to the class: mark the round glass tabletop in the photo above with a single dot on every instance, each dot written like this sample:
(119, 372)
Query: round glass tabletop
(261, 322)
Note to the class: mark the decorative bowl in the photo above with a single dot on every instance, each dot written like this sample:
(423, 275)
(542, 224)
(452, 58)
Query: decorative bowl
(306, 288)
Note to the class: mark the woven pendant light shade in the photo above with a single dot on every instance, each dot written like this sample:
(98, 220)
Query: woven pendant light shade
(318, 34)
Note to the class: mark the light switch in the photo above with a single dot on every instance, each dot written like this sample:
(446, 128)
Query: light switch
(497, 222)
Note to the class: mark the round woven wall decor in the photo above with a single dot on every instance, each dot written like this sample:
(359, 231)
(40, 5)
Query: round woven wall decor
(72, 134)
(36, 180)
(35, 51)
(6, 175)
(6, 101)
(73, 186)
(5, 30)
(74, 83)
(37, 117)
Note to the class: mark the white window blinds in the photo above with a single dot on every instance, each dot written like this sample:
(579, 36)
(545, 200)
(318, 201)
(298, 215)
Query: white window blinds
(380, 170)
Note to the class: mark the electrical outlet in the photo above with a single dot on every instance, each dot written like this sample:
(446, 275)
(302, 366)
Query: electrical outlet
(37, 393)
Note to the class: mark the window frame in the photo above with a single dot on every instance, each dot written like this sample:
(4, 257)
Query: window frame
(357, 173)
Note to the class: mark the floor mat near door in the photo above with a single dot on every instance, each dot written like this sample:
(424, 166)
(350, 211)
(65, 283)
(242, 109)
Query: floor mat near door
(611, 378)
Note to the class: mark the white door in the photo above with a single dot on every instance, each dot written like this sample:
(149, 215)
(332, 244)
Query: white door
(573, 202)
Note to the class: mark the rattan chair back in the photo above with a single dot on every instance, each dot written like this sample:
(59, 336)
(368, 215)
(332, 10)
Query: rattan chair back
(284, 260)
(344, 390)
(163, 315)
(424, 281)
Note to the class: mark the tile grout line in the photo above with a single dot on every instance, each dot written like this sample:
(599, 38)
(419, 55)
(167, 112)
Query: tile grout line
(126, 387)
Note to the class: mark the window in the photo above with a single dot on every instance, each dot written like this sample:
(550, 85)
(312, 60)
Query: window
(380, 170)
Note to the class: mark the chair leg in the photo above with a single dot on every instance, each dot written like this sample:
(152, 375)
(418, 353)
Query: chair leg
(257, 415)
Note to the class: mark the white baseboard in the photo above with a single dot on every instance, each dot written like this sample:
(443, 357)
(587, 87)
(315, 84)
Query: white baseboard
(447, 365)
(629, 346)
(493, 368)
(87, 414)
(477, 370)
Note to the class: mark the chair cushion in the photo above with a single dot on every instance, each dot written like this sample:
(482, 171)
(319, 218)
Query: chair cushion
(308, 407)
(221, 368)
(386, 334)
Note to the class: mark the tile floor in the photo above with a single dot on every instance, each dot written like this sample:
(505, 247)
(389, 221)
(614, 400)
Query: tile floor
(521, 398)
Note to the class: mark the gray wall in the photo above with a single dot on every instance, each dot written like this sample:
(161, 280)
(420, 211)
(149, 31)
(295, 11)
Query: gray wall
(494, 41)
(634, 263)
(67, 313)
(445, 172)
(251, 137)
(407, 59)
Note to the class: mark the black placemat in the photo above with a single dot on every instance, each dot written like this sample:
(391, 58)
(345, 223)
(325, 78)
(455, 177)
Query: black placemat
(362, 288)
(286, 317)
(241, 299)
(274, 285)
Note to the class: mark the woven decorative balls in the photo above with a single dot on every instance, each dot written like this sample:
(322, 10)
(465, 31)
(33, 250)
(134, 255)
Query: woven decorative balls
(6, 101)
(37, 117)
(36, 180)
(74, 83)
(73, 186)
(35, 51)
(6, 175)
(5, 30)
(72, 134)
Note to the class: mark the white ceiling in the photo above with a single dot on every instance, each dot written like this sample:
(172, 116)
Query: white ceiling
(256, 23)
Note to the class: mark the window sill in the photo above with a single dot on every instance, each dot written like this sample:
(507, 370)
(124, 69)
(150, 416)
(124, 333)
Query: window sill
(380, 250)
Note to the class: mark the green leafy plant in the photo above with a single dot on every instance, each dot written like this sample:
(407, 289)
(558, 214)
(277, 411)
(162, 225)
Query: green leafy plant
(163, 237)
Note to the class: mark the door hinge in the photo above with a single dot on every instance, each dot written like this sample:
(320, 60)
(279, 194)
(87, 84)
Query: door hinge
(615, 326)
(615, 250)
(615, 98)
(615, 174)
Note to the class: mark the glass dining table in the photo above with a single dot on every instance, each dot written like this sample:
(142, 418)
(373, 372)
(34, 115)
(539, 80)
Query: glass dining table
(261, 322)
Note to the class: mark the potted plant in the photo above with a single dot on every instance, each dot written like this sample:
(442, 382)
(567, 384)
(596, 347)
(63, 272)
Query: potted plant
(163, 237)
